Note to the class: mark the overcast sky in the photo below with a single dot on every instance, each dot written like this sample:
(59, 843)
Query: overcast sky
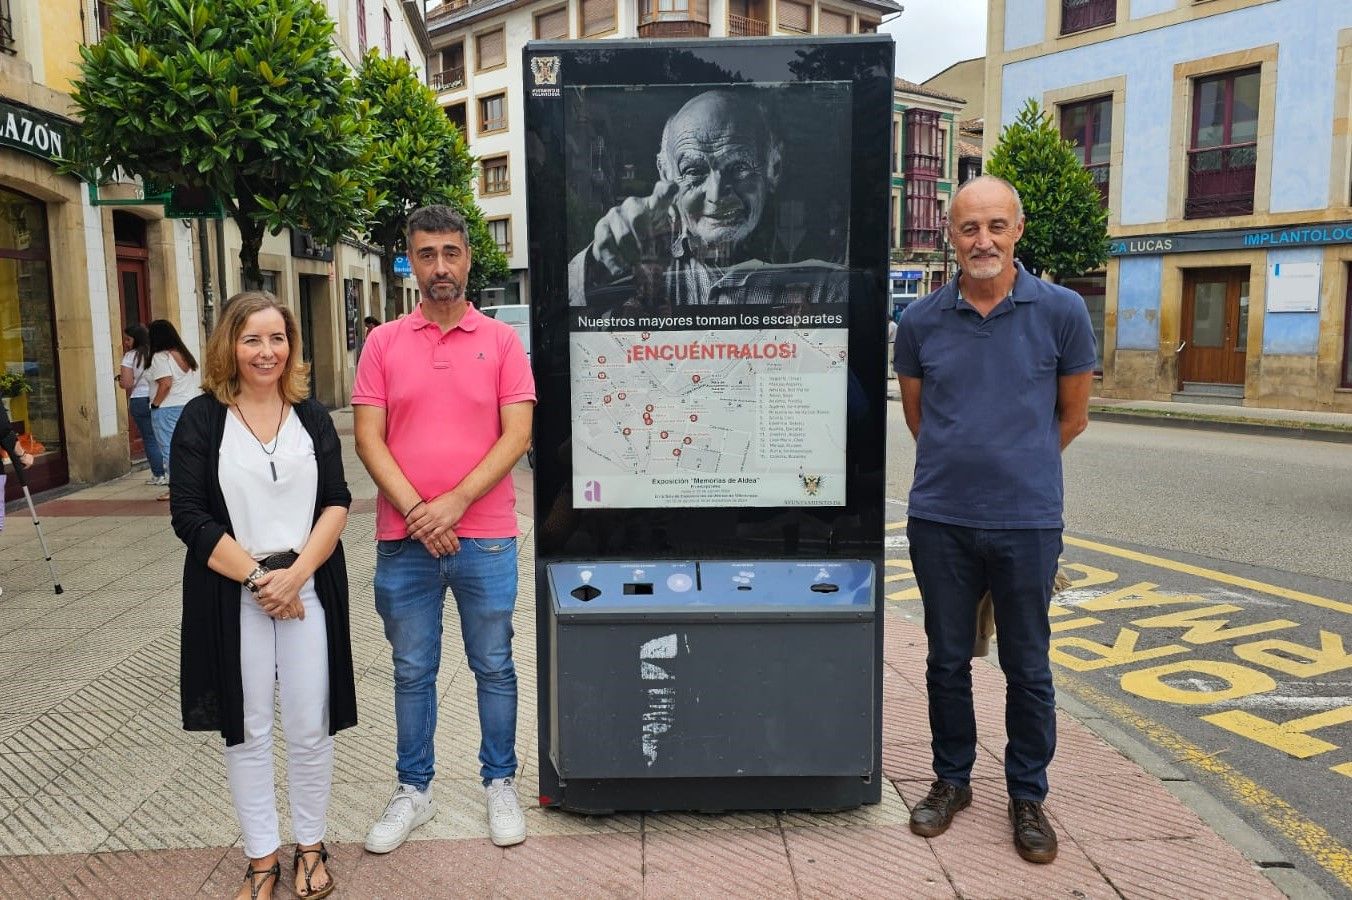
(933, 34)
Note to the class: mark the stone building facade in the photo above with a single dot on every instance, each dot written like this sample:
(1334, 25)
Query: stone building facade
(1220, 135)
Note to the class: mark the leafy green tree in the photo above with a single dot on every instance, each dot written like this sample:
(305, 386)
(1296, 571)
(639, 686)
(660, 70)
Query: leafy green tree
(1066, 231)
(421, 159)
(243, 98)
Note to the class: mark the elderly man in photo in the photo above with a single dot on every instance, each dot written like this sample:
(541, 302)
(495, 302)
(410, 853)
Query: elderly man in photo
(995, 370)
(696, 238)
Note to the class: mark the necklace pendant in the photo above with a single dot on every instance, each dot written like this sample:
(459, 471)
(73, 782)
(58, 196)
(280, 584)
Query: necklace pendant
(273, 466)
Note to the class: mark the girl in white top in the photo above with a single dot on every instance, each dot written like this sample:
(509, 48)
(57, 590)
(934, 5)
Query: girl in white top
(173, 371)
(132, 379)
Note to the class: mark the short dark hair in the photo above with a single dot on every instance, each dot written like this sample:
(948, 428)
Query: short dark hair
(371, 320)
(436, 219)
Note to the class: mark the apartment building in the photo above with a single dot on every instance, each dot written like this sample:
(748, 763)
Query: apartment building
(924, 167)
(475, 67)
(1218, 131)
(71, 273)
(74, 270)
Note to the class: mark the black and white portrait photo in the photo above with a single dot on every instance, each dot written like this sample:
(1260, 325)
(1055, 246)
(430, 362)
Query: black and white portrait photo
(698, 195)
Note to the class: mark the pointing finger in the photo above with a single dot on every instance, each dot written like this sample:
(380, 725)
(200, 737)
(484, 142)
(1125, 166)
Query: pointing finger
(664, 192)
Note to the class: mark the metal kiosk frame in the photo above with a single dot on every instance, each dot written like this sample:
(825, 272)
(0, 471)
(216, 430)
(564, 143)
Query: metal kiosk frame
(710, 626)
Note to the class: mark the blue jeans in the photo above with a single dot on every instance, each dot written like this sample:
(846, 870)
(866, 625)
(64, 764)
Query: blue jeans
(954, 566)
(139, 409)
(410, 587)
(164, 420)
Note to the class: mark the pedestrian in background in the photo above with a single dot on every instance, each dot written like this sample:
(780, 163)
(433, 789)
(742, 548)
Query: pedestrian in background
(173, 372)
(260, 500)
(131, 377)
(995, 369)
(20, 458)
(443, 405)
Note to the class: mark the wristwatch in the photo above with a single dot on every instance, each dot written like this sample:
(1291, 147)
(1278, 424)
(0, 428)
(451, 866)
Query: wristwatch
(251, 580)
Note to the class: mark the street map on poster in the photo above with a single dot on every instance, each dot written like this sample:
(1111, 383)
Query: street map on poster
(752, 417)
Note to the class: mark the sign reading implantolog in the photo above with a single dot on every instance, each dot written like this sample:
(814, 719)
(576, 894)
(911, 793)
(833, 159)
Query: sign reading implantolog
(1234, 239)
(37, 133)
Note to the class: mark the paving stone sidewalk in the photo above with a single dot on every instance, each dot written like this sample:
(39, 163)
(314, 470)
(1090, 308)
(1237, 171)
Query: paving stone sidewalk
(103, 795)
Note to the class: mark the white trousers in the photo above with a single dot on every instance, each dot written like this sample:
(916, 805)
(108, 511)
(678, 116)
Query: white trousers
(292, 653)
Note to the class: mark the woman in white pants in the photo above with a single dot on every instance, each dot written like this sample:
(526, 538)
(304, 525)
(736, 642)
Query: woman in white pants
(260, 500)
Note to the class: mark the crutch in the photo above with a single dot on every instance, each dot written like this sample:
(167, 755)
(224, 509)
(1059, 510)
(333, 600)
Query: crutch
(33, 511)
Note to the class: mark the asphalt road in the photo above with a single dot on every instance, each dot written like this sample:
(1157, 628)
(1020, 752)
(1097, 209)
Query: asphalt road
(1211, 617)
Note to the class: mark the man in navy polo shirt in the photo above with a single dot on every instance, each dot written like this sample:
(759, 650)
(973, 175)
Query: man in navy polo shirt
(995, 370)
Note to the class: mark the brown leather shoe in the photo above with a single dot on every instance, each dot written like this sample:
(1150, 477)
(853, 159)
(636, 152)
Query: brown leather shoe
(1034, 837)
(933, 815)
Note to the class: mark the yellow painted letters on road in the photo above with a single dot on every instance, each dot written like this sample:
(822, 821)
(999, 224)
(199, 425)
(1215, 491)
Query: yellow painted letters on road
(1136, 596)
(1277, 654)
(1291, 738)
(1100, 656)
(1241, 681)
(1207, 631)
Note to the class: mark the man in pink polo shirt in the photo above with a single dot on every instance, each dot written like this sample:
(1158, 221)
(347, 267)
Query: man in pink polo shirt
(443, 400)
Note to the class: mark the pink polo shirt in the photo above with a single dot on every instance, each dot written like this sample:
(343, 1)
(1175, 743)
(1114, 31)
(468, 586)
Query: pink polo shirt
(441, 394)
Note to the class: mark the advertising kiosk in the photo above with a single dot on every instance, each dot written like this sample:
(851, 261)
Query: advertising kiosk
(708, 256)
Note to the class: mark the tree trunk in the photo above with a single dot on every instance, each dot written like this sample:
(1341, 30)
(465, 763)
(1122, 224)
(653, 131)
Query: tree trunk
(250, 242)
(387, 278)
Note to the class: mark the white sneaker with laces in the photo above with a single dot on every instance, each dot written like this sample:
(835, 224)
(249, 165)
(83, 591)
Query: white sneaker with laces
(158, 480)
(408, 808)
(506, 822)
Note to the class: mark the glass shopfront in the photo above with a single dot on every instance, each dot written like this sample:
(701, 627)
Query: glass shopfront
(28, 340)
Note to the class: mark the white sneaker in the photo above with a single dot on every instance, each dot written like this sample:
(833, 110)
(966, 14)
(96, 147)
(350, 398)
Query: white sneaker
(158, 480)
(506, 822)
(408, 808)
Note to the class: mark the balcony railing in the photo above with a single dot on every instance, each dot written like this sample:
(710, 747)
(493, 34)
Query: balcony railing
(923, 164)
(6, 29)
(1220, 181)
(921, 238)
(745, 26)
(448, 79)
(1081, 15)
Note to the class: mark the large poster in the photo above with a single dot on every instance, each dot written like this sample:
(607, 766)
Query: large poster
(708, 235)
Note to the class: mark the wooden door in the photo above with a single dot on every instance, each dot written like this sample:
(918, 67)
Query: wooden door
(134, 301)
(1215, 326)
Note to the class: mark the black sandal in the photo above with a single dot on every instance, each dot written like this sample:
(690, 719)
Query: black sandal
(250, 873)
(298, 860)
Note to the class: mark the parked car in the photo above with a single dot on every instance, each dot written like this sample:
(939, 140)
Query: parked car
(511, 313)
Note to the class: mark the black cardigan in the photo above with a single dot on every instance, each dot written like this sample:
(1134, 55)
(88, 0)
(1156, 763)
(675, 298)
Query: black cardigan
(209, 668)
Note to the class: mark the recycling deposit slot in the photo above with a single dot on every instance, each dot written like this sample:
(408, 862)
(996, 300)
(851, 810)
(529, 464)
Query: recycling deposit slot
(708, 264)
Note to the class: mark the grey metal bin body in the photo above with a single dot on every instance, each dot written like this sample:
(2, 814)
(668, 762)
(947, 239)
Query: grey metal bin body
(712, 670)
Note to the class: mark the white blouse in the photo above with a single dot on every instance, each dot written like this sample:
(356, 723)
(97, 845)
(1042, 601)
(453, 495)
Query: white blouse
(186, 384)
(140, 385)
(270, 497)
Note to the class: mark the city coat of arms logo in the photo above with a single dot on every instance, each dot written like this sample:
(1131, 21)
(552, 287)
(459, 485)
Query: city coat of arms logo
(545, 69)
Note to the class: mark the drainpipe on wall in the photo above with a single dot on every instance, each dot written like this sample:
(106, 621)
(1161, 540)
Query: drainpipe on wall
(207, 311)
(220, 260)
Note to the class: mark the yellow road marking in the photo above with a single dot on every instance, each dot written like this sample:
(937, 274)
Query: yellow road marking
(899, 576)
(895, 526)
(1212, 574)
(1344, 769)
(1286, 819)
(1288, 737)
(907, 594)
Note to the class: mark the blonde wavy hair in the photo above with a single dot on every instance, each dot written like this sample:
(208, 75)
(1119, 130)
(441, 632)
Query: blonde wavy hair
(220, 375)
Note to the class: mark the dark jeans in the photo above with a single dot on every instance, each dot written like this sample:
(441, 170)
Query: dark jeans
(139, 408)
(954, 566)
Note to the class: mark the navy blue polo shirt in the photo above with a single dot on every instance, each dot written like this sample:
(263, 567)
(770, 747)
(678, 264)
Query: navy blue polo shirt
(989, 451)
